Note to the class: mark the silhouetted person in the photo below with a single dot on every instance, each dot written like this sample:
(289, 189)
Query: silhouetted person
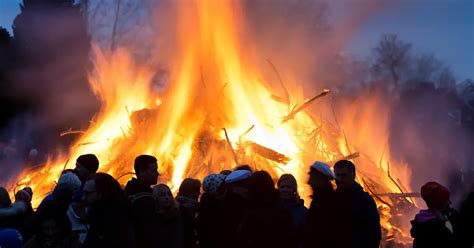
(265, 224)
(467, 213)
(170, 226)
(86, 165)
(188, 195)
(291, 201)
(139, 192)
(233, 206)
(68, 186)
(52, 229)
(364, 215)
(329, 223)
(208, 219)
(439, 225)
(108, 213)
(19, 214)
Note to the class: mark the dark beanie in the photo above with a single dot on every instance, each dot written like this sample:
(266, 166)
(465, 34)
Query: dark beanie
(435, 195)
(89, 161)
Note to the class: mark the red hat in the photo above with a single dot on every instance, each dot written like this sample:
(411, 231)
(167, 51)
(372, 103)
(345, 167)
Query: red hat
(435, 195)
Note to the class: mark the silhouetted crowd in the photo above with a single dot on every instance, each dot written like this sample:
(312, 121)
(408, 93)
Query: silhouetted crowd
(238, 208)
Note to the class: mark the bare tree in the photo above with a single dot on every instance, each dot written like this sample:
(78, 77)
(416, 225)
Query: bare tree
(447, 79)
(424, 67)
(391, 55)
(115, 22)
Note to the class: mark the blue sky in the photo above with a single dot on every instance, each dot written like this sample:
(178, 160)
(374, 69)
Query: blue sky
(443, 27)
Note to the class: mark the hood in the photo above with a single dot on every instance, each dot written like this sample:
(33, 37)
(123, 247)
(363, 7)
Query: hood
(424, 216)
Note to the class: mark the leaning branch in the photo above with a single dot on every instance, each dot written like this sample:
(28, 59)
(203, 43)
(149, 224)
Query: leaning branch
(287, 95)
(303, 106)
(230, 147)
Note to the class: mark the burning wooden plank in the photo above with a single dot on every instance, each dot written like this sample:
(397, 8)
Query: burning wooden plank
(303, 106)
(402, 195)
(267, 152)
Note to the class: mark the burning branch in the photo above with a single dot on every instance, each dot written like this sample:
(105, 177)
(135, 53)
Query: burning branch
(404, 195)
(125, 174)
(374, 194)
(70, 131)
(348, 157)
(267, 153)
(246, 132)
(287, 95)
(392, 179)
(303, 106)
(230, 146)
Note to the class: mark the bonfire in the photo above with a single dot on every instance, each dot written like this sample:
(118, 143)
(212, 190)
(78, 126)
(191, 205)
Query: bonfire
(217, 112)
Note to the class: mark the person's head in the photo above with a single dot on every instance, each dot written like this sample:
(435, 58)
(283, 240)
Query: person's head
(146, 169)
(262, 189)
(86, 165)
(287, 187)
(25, 195)
(243, 167)
(51, 224)
(345, 174)
(212, 183)
(320, 177)
(436, 196)
(237, 182)
(163, 196)
(5, 200)
(190, 188)
(68, 185)
(70, 181)
(102, 187)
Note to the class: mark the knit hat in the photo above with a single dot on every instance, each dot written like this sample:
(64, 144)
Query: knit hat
(70, 180)
(10, 238)
(238, 175)
(89, 161)
(324, 168)
(435, 195)
(212, 182)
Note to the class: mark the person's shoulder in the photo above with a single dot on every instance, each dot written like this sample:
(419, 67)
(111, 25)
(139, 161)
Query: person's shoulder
(141, 198)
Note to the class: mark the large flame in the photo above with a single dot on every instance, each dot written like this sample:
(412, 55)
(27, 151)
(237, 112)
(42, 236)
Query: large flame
(212, 87)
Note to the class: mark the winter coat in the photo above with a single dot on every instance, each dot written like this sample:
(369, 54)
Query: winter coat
(365, 218)
(79, 224)
(467, 213)
(326, 214)
(109, 227)
(170, 229)
(430, 231)
(208, 221)
(144, 215)
(231, 212)
(188, 209)
(267, 227)
(298, 212)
